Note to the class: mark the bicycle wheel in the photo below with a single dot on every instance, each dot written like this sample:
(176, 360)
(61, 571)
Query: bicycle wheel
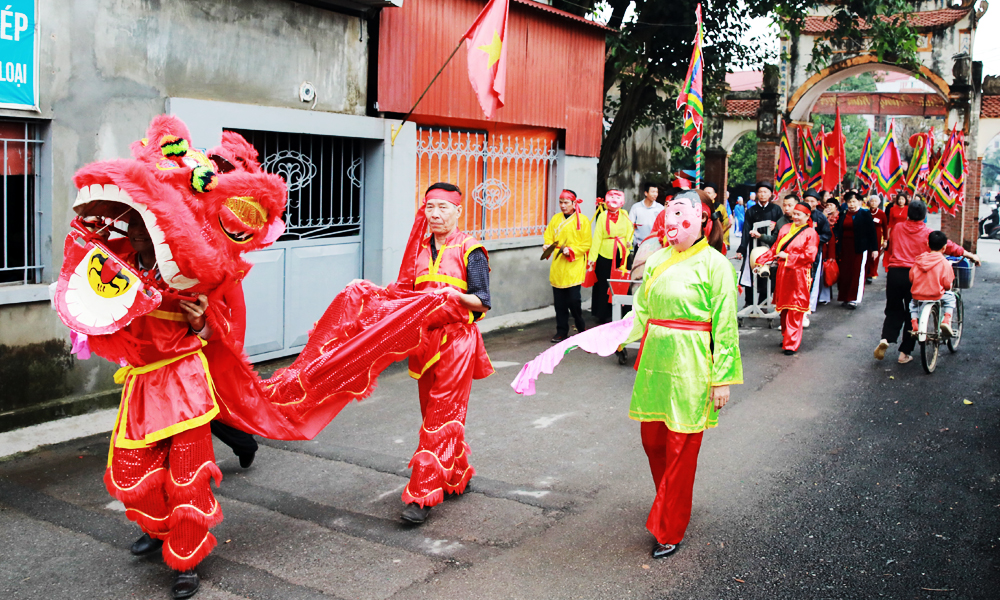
(929, 348)
(956, 324)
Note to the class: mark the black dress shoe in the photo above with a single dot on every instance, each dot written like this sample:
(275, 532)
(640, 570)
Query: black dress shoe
(789, 352)
(145, 545)
(246, 459)
(663, 550)
(559, 338)
(414, 513)
(186, 585)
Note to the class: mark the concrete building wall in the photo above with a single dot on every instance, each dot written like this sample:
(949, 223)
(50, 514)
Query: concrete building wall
(106, 67)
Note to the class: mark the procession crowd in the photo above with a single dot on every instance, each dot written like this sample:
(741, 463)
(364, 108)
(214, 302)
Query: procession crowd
(792, 250)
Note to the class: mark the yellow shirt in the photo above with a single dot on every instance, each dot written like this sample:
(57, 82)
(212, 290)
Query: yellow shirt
(565, 273)
(603, 243)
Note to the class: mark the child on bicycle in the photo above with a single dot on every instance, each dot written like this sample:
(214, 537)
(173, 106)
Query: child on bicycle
(931, 277)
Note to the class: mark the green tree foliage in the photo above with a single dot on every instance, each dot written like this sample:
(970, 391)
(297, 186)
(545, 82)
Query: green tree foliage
(743, 160)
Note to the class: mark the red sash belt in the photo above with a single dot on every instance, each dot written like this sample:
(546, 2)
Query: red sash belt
(679, 324)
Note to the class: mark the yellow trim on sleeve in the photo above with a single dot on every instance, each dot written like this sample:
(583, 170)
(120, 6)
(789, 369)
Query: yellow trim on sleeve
(431, 362)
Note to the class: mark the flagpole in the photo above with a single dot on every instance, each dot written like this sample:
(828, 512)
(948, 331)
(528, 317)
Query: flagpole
(397, 128)
(697, 164)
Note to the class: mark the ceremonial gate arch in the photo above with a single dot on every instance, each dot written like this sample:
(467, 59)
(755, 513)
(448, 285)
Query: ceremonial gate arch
(789, 91)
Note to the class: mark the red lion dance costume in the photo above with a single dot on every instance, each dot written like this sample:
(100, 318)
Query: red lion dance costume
(203, 212)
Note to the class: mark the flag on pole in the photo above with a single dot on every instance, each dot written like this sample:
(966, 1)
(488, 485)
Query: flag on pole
(690, 98)
(487, 47)
(836, 162)
(785, 174)
(922, 144)
(812, 173)
(947, 179)
(865, 165)
(888, 167)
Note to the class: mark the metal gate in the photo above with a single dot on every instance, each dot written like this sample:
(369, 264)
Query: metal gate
(294, 280)
(20, 247)
(511, 178)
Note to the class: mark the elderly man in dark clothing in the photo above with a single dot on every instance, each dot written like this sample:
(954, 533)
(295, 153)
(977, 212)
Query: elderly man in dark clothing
(763, 210)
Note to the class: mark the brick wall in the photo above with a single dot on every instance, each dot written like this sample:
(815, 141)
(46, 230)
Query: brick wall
(952, 226)
(767, 161)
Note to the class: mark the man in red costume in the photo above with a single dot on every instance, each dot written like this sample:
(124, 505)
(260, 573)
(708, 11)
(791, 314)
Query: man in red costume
(448, 261)
(161, 457)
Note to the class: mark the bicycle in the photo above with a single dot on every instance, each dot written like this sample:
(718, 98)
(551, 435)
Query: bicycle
(929, 333)
(931, 336)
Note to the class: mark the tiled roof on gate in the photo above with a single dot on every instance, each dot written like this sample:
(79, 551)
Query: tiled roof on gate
(990, 108)
(741, 108)
(925, 21)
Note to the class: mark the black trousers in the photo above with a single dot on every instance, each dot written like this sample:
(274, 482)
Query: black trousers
(567, 301)
(897, 309)
(241, 442)
(600, 304)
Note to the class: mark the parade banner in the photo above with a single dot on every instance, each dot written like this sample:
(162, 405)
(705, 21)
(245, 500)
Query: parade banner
(19, 55)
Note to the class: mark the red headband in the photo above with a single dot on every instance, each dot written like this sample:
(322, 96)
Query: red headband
(576, 202)
(439, 194)
(803, 207)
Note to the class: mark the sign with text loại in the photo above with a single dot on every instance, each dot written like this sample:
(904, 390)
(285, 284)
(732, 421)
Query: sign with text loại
(18, 54)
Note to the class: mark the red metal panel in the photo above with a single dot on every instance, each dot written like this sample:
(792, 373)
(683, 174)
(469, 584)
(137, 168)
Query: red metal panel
(555, 67)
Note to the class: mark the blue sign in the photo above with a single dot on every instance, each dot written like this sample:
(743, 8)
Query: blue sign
(18, 54)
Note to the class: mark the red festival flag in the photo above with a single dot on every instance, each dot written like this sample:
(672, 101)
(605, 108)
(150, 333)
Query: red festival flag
(690, 98)
(486, 43)
(888, 166)
(836, 163)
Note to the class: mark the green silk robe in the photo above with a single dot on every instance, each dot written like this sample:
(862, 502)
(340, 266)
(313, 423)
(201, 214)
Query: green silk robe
(678, 368)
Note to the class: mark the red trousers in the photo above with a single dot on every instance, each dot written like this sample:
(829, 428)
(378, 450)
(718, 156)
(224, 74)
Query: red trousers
(441, 462)
(165, 489)
(791, 329)
(673, 459)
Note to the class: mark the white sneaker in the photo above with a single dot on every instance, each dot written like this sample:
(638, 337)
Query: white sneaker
(805, 321)
(946, 328)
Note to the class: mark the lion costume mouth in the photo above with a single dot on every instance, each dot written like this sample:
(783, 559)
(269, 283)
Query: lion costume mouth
(88, 202)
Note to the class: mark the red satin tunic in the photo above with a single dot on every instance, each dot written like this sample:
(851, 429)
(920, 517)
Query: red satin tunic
(449, 270)
(792, 282)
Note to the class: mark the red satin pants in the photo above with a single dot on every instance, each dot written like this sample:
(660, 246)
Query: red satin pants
(673, 459)
(165, 489)
(791, 329)
(441, 462)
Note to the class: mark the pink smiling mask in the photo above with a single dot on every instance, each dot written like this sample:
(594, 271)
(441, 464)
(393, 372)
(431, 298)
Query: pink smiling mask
(682, 221)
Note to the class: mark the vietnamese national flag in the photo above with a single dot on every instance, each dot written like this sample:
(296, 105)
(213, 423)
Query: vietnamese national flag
(836, 166)
(486, 43)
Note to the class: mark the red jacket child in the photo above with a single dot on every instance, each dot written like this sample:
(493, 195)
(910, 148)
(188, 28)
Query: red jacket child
(931, 276)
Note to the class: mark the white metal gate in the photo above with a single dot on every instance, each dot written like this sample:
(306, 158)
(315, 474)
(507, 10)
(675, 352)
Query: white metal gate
(294, 280)
(511, 178)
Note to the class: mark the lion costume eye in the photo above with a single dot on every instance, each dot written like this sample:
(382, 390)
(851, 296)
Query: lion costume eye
(248, 211)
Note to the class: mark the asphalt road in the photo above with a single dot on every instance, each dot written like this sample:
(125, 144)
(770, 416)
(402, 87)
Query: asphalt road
(831, 475)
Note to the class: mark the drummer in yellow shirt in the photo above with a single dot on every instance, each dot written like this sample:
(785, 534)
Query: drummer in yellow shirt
(569, 232)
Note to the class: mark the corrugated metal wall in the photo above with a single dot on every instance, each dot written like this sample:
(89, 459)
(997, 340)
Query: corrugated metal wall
(554, 70)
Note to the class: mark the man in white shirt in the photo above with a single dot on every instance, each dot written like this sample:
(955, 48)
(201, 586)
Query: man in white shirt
(642, 214)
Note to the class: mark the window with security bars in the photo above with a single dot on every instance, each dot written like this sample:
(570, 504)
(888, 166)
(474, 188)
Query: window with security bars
(325, 178)
(20, 261)
(506, 180)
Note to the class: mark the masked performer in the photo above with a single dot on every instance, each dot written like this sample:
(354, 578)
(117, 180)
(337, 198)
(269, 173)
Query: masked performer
(450, 262)
(609, 250)
(569, 232)
(685, 314)
(794, 253)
